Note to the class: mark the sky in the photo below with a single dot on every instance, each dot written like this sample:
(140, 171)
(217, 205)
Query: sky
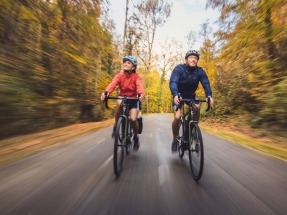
(186, 15)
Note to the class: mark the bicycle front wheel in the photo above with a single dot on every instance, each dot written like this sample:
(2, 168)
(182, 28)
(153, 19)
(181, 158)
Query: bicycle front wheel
(180, 140)
(119, 146)
(196, 155)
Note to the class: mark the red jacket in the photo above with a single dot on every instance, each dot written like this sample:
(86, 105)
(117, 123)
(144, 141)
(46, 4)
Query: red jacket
(129, 84)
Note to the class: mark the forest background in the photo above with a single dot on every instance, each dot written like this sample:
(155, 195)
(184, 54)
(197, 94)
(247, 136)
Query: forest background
(57, 57)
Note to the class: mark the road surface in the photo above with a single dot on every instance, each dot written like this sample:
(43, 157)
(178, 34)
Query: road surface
(77, 177)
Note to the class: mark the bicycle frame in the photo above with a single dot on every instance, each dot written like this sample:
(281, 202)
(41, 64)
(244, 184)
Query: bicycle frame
(191, 135)
(123, 133)
(124, 114)
(187, 117)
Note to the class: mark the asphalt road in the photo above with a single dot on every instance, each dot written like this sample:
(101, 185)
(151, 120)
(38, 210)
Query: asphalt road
(77, 177)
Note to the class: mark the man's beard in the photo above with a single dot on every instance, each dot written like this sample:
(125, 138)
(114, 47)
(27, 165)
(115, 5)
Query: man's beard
(192, 65)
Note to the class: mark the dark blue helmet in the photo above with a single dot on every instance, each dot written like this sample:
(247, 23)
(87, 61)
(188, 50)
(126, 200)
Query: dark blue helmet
(192, 52)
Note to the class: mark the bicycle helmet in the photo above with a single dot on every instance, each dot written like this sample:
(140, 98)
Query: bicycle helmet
(131, 59)
(192, 52)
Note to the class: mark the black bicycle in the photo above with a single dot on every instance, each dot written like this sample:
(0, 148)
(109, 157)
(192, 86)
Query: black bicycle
(123, 132)
(190, 137)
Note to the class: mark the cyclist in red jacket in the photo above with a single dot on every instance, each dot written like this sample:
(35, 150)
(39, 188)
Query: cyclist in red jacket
(130, 84)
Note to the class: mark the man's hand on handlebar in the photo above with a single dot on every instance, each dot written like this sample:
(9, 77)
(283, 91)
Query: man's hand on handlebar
(176, 100)
(211, 101)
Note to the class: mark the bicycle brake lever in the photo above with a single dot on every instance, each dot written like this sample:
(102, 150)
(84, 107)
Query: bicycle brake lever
(208, 105)
(106, 100)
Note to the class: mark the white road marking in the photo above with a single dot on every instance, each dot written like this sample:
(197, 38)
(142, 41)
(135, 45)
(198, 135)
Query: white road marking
(94, 145)
(100, 141)
(106, 162)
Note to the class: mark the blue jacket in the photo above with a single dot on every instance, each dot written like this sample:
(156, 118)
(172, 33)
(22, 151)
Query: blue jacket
(185, 79)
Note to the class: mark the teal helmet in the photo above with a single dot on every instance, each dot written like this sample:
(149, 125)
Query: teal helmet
(192, 52)
(131, 59)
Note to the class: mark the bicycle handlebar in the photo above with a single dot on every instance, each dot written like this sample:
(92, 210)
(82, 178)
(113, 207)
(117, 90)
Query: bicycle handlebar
(190, 101)
(118, 97)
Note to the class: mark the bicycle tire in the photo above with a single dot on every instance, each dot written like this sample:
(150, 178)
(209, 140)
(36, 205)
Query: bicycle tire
(119, 146)
(180, 138)
(196, 151)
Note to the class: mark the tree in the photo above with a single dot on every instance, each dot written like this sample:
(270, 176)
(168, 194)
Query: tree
(251, 64)
(148, 16)
(170, 55)
(56, 58)
(207, 54)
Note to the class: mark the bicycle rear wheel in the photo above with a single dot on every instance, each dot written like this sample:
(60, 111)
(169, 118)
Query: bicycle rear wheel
(119, 146)
(196, 153)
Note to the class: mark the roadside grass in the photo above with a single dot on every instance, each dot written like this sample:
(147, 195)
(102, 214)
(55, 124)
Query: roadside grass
(19, 147)
(252, 138)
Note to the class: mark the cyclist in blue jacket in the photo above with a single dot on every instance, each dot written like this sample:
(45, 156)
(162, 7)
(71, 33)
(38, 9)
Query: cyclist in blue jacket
(184, 80)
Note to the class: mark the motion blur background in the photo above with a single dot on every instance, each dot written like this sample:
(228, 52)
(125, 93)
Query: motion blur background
(57, 57)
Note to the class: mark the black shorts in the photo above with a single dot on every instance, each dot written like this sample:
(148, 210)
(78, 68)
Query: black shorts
(135, 104)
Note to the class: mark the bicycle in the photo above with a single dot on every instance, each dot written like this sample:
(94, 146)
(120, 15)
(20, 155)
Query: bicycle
(123, 132)
(190, 138)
